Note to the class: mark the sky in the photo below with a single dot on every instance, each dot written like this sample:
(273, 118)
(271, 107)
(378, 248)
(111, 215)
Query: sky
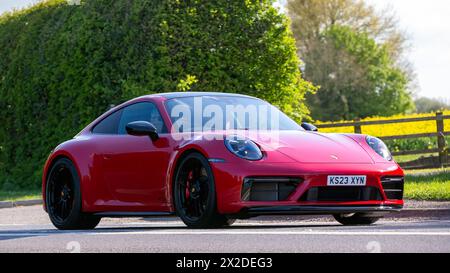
(427, 24)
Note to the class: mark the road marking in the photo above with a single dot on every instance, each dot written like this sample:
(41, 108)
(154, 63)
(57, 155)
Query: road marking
(171, 223)
(343, 233)
(265, 228)
(228, 232)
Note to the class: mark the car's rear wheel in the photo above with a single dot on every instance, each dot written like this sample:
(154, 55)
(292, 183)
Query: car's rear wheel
(63, 198)
(195, 194)
(355, 219)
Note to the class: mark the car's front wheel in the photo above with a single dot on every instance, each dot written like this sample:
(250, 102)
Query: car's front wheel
(195, 194)
(355, 219)
(63, 198)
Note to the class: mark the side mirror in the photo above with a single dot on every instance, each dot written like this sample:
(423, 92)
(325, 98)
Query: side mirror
(309, 127)
(142, 128)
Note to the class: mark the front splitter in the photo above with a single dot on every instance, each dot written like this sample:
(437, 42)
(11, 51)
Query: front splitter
(317, 210)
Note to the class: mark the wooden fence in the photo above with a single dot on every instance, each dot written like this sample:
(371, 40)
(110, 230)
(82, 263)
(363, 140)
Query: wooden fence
(430, 162)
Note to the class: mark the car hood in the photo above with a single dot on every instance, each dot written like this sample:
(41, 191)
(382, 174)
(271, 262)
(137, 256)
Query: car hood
(311, 147)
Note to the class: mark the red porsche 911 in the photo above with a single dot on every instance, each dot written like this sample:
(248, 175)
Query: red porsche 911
(210, 158)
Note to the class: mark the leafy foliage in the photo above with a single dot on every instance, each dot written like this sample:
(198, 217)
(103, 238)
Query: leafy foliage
(310, 17)
(357, 77)
(428, 105)
(62, 65)
(355, 54)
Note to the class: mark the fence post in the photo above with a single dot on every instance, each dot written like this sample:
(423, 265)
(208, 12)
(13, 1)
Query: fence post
(357, 126)
(443, 153)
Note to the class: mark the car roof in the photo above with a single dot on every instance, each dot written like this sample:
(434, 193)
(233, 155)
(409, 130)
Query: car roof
(173, 95)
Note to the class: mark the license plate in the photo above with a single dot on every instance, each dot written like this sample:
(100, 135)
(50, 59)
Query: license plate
(345, 180)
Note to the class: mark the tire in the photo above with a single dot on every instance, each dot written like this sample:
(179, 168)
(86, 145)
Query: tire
(195, 194)
(356, 219)
(63, 198)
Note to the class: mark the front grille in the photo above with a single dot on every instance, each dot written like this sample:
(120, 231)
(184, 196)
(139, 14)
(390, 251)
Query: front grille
(341, 194)
(393, 187)
(268, 188)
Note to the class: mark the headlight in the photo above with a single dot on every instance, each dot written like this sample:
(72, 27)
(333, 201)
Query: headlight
(378, 146)
(243, 148)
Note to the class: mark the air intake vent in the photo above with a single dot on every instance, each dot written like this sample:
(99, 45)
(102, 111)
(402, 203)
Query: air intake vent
(393, 187)
(268, 188)
(341, 194)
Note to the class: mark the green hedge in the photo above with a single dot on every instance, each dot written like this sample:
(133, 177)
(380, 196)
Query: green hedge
(62, 65)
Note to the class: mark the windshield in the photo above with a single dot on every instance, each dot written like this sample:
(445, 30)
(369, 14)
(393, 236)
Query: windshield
(214, 113)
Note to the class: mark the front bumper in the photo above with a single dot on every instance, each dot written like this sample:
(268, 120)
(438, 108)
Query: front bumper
(229, 180)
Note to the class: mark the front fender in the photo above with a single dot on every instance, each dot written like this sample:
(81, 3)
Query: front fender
(82, 164)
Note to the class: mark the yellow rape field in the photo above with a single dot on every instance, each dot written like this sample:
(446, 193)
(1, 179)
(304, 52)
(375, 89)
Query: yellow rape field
(384, 130)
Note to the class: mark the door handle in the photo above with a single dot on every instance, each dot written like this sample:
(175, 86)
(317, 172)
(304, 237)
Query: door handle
(107, 157)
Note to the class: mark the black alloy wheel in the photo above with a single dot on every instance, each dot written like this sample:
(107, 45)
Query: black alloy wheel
(195, 194)
(63, 198)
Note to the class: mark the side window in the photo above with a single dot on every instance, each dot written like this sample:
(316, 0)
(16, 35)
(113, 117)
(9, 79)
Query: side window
(143, 111)
(109, 125)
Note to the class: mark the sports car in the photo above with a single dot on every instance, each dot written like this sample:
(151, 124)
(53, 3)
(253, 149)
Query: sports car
(210, 158)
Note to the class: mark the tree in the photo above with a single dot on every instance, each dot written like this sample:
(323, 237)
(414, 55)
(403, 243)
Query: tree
(330, 35)
(62, 65)
(357, 77)
(311, 17)
(428, 105)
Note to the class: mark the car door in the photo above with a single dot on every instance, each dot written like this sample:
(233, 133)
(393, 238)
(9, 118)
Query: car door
(134, 167)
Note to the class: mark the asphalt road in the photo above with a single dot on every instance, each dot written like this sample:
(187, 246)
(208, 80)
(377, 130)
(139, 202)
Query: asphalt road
(27, 229)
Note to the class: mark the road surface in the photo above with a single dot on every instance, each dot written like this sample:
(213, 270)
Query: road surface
(27, 229)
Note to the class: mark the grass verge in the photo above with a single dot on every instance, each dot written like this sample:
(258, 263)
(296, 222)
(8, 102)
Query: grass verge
(19, 195)
(407, 158)
(428, 185)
